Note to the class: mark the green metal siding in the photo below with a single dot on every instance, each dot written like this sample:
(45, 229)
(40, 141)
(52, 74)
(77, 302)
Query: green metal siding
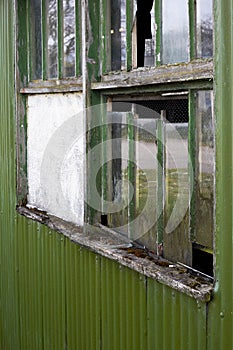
(175, 321)
(9, 326)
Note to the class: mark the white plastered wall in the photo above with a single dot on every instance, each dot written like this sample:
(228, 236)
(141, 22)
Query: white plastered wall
(55, 154)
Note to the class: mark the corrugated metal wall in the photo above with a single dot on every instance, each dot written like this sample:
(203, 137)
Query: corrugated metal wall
(55, 295)
(69, 298)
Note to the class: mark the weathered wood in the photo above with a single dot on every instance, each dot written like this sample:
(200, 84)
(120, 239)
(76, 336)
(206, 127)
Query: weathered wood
(183, 72)
(47, 86)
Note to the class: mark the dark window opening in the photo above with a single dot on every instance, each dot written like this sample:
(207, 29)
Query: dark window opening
(202, 260)
(104, 220)
(143, 17)
(176, 109)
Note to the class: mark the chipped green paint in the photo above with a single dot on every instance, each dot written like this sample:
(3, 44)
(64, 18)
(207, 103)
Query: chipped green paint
(78, 41)
(158, 7)
(93, 40)
(129, 24)
(192, 161)
(161, 161)
(192, 29)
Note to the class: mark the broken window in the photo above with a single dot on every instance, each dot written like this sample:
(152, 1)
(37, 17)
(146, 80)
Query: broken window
(164, 32)
(154, 177)
(144, 34)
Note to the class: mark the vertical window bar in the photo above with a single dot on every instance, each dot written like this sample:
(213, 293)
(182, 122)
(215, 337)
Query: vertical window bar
(131, 173)
(161, 179)
(60, 39)
(192, 162)
(28, 40)
(78, 46)
(158, 24)
(192, 28)
(104, 24)
(31, 24)
(44, 39)
(128, 34)
(104, 169)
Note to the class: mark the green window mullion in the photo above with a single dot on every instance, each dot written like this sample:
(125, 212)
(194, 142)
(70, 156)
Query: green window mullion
(192, 28)
(105, 15)
(131, 172)
(29, 42)
(129, 21)
(158, 40)
(78, 46)
(192, 161)
(104, 136)
(60, 38)
(161, 157)
(44, 39)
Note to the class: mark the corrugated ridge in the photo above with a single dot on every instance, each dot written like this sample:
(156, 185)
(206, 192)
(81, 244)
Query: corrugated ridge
(8, 293)
(175, 321)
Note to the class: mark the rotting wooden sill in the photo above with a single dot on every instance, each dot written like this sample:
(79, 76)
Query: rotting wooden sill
(112, 245)
(181, 72)
(199, 69)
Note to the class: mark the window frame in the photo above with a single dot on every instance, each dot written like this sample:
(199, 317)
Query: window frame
(193, 154)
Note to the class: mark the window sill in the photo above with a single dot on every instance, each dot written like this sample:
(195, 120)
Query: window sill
(109, 244)
(53, 86)
(195, 70)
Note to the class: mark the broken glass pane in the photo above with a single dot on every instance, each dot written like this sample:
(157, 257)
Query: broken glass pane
(143, 34)
(69, 37)
(175, 31)
(204, 28)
